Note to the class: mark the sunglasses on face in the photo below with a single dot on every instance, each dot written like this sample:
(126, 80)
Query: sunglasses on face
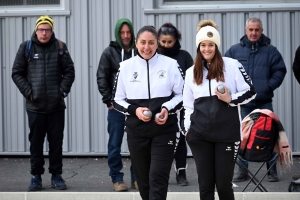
(167, 29)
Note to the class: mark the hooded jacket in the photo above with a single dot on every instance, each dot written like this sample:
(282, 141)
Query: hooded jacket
(110, 59)
(153, 83)
(263, 63)
(296, 65)
(206, 115)
(47, 76)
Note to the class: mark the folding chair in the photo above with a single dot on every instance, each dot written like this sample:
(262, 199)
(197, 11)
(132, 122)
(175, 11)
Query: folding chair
(253, 179)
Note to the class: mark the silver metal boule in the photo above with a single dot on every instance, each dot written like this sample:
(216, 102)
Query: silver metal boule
(147, 113)
(157, 115)
(221, 88)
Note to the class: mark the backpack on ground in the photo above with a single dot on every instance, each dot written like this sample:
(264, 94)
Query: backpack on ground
(262, 138)
(28, 49)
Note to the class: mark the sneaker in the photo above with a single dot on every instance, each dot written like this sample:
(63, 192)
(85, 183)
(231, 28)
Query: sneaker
(296, 176)
(240, 176)
(134, 185)
(120, 186)
(181, 177)
(36, 183)
(57, 182)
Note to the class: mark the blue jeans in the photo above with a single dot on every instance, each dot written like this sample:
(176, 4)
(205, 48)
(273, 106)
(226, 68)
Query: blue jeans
(115, 130)
(247, 110)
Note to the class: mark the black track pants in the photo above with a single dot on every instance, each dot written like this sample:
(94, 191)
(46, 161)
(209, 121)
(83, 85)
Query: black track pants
(181, 152)
(215, 166)
(151, 160)
(41, 125)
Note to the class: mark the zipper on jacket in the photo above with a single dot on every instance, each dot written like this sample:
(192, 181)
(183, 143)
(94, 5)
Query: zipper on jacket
(45, 78)
(148, 77)
(209, 81)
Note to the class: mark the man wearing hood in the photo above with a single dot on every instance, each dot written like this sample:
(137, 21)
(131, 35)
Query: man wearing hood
(265, 66)
(117, 51)
(44, 79)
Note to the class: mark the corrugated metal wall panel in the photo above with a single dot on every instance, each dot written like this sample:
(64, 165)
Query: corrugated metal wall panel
(79, 131)
(295, 30)
(2, 115)
(99, 37)
(282, 40)
(88, 31)
(13, 100)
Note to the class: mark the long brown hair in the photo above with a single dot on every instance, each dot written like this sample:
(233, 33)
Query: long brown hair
(215, 71)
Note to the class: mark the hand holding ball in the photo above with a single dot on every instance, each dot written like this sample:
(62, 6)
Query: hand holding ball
(221, 88)
(147, 113)
(157, 116)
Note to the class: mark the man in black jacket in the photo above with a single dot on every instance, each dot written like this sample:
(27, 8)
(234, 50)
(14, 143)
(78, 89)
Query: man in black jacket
(296, 65)
(117, 51)
(296, 71)
(45, 79)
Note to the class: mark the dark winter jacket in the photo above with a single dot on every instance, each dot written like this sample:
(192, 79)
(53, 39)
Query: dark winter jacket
(263, 63)
(296, 65)
(184, 59)
(48, 76)
(109, 62)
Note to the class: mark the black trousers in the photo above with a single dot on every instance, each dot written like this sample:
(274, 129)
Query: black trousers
(215, 166)
(53, 125)
(151, 160)
(181, 152)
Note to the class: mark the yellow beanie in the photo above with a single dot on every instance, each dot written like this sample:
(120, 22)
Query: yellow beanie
(44, 20)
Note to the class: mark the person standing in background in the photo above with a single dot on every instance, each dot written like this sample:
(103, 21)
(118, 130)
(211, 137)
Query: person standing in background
(45, 79)
(117, 51)
(296, 71)
(296, 66)
(169, 45)
(265, 66)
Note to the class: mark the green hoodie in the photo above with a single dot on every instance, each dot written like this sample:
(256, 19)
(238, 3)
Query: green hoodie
(119, 24)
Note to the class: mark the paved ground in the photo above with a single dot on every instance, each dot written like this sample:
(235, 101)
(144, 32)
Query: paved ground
(90, 174)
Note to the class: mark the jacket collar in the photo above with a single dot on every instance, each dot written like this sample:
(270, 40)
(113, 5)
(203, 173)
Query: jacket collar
(263, 41)
(151, 61)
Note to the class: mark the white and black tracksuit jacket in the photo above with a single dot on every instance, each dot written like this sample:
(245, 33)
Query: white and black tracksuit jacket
(207, 116)
(154, 83)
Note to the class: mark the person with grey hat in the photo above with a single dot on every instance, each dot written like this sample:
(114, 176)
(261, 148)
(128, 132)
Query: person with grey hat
(45, 79)
(212, 118)
(265, 65)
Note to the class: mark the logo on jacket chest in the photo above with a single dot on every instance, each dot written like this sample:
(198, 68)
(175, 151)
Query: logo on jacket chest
(135, 77)
(161, 74)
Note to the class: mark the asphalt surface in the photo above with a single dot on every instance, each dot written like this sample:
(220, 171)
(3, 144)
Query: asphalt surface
(90, 174)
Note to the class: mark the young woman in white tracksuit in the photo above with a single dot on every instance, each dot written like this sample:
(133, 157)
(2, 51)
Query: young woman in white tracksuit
(212, 118)
(150, 81)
